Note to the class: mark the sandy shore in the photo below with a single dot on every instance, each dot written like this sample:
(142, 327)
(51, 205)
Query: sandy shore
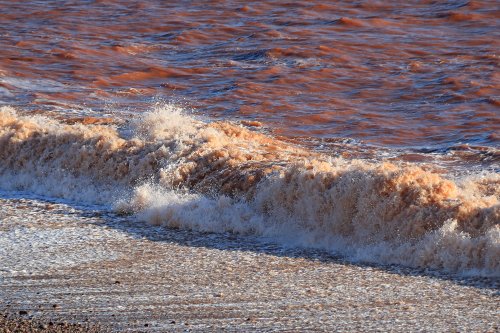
(12, 323)
(64, 264)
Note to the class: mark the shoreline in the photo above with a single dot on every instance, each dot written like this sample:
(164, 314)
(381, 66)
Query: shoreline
(125, 275)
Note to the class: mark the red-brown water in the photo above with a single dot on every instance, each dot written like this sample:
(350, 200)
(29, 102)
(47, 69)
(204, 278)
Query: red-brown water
(414, 74)
(362, 87)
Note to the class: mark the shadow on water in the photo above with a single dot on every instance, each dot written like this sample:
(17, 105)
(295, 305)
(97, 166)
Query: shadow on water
(239, 243)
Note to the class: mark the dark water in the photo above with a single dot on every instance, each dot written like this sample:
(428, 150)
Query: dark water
(414, 74)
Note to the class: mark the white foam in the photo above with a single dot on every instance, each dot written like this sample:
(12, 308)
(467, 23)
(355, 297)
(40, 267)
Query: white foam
(175, 171)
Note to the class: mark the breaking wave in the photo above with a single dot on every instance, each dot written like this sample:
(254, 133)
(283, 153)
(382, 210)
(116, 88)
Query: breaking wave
(171, 169)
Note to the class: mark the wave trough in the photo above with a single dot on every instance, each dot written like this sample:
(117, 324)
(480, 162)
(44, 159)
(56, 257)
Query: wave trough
(171, 169)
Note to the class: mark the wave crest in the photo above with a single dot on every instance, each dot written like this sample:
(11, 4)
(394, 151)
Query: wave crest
(171, 169)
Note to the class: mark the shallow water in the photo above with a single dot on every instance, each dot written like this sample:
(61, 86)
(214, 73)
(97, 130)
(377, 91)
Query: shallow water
(415, 74)
(366, 129)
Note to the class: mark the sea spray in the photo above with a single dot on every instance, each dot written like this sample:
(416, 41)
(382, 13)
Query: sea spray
(173, 170)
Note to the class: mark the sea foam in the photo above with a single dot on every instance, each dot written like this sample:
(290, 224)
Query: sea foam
(171, 169)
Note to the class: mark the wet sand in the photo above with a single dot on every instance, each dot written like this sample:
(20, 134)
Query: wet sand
(11, 323)
(60, 263)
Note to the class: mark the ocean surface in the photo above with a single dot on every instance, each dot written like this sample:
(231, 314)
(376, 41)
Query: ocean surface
(370, 129)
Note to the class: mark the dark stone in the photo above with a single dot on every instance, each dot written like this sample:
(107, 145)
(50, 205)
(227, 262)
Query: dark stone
(23, 312)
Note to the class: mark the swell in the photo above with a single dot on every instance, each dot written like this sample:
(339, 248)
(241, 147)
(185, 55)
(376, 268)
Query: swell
(171, 169)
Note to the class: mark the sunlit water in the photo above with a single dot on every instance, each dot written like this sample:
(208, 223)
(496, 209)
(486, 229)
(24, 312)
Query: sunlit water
(301, 119)
(390, 73)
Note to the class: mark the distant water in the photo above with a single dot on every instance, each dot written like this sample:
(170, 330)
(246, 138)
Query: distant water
(370, 129)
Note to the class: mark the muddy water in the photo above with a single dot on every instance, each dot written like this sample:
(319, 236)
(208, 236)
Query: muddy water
(414, 74)
(305, 116)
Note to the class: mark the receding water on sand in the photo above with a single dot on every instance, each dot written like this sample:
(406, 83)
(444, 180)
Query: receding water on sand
(65, 263)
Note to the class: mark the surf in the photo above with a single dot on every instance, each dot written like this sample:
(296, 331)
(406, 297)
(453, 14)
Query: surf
(169, 168)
